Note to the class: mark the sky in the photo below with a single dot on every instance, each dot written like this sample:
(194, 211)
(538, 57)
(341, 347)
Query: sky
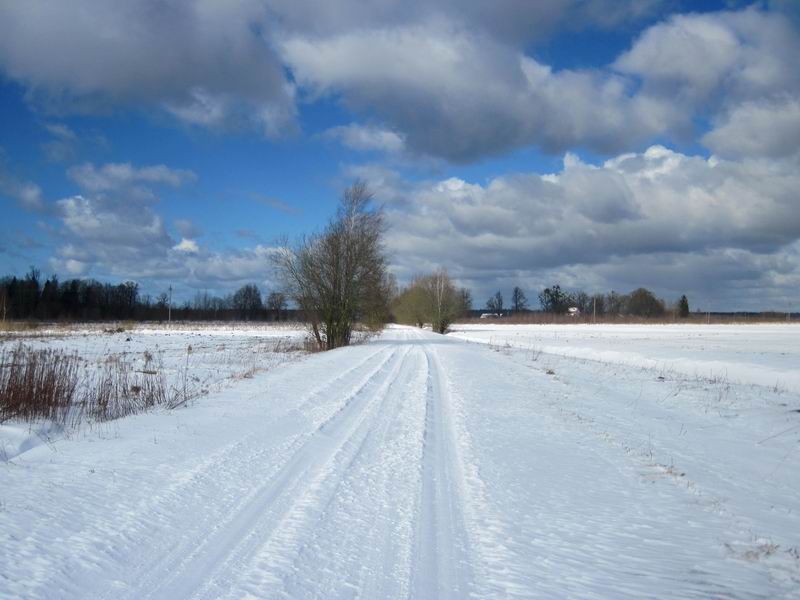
(596, 144)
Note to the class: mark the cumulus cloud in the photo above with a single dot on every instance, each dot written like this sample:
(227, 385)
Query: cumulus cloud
(205, 62)
(112, 226)
(732, 55)
(736, 67)
(113, 176)
(30, 196)
(236, 265)
(27, 194)
(766, 128)
(453, 80)
(113, 229)
(460, 95)
(453, 88)
(654, 211)
(187, 246)
(519, 23)
(366, 138)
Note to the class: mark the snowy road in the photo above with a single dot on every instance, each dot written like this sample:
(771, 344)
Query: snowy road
(418, 466)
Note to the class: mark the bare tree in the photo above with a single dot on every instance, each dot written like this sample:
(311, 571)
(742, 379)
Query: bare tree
(276, 302)
(3, 301)
(339, 275)
(247, 301)
(519, 301)
(495, 303)
(582, 301)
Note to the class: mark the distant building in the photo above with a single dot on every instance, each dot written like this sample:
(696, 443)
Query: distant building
(573, 311)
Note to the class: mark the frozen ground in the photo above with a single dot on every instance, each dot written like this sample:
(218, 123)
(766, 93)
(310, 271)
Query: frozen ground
(421, 466)
(763, 354)
(194, 359)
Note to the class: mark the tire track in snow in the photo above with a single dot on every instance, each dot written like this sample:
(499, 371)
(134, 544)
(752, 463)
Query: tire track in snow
(460, 548)
(229, 548)
(443, 565)
(213, 476)
(353, 536)
(164, 566)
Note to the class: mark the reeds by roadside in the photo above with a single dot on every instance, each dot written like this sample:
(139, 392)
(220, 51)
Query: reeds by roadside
(37, 384)
(55, 385)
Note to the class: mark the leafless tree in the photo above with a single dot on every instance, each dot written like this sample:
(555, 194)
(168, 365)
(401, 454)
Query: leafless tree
(519, 301)
(3, 302)
(495, 303)
(339, 275)
(276, 303)
(247, 302)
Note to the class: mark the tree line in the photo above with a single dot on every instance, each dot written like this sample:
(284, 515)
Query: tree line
(34, 297)
(640, 302)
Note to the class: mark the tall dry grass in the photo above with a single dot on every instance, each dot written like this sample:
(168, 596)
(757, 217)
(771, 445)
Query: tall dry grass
(37, 384)
(51, 384)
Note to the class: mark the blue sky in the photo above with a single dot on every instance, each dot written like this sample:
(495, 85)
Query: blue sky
(593, 143)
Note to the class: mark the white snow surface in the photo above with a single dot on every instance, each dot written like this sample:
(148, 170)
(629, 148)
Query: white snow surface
(422, 466)
(763, 354)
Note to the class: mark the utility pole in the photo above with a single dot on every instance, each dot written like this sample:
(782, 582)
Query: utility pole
(169, 309)
(594, 308)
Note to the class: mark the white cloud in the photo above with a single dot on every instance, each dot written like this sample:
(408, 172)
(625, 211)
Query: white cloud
(747, 54)
(367, 137)
(61, 132)
(114, 176)
(114, 230)
(30, 196)
(187, 246)
(74, 267)
(766, 128)
(205, 62)
(460, 95)
(446, 79)
(27, 194)
(452, 88)
(236, 266)
(671, 218)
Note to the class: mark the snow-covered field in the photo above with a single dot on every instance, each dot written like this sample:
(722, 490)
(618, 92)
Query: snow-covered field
(422, 466)
(193, 360)
(764, 354)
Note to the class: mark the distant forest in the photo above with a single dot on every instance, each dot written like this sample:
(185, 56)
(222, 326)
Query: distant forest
(32, 297)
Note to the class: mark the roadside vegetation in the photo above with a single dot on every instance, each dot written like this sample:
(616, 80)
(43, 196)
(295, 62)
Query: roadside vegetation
(431, 299)
(61, 387)
(79, 378)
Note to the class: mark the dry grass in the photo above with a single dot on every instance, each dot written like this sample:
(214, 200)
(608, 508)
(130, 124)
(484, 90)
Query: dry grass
(18, 326)
(37, 384)
(50, 384)
(118, 391)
